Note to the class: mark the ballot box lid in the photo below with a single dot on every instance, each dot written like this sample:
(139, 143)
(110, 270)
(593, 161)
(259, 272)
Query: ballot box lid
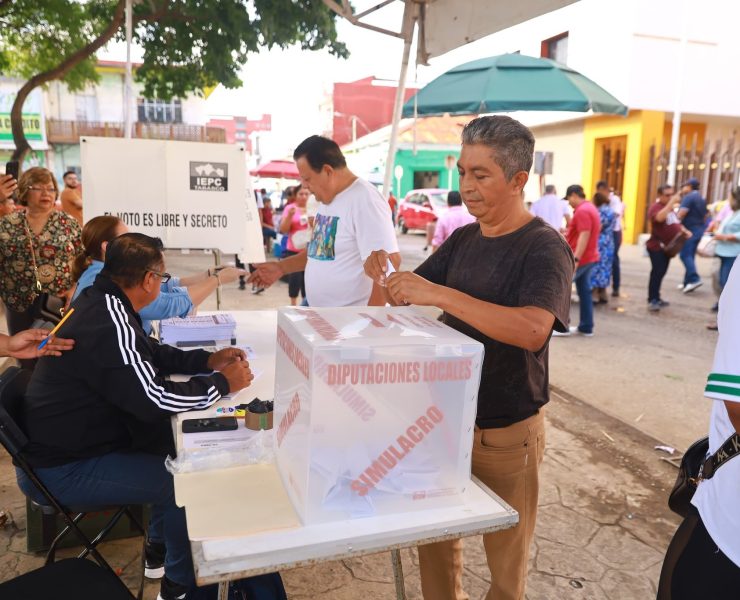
(364, 325)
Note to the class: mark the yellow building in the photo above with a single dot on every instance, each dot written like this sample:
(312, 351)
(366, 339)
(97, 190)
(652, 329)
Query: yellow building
(631, 154)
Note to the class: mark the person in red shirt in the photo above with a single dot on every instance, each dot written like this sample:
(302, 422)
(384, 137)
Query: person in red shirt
(583, 238)
(665, 227)
(393, 203)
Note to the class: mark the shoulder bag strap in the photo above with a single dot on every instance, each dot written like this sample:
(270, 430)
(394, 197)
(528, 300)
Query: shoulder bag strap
(33, 254)
(730, 449)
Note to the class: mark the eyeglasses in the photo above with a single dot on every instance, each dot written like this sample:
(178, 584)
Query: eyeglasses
(165, 277)
(42, 190)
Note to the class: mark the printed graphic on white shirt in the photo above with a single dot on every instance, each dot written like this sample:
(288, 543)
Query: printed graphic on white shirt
(323, 239)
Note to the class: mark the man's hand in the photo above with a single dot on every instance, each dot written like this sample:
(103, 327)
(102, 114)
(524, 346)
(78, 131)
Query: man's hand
(376, 266)
(266, 274)
(224, 357)
(7, 186)
(229, 274)
(238, 374)
(24, 345)
(410, 288)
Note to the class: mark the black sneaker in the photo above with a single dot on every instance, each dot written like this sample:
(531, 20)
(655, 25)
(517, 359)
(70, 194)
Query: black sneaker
(169, 590)
(154, 553)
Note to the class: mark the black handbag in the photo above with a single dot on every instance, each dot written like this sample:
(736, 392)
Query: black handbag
(47, 308)
(695, 467)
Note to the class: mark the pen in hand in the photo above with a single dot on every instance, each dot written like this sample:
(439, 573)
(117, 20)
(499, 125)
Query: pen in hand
(53, 331)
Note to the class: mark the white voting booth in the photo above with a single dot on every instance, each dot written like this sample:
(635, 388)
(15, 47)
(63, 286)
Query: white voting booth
(374, 411)
(191, 195)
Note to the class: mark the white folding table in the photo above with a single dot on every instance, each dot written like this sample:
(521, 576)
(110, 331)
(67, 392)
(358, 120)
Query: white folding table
(227, 559)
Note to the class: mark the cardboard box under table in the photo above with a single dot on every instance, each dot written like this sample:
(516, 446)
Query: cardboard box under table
(374, 411)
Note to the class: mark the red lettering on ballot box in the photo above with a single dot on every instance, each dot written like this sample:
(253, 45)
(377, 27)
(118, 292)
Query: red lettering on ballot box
(397, 451)
(399, 372)
(321, 326)
(288, 418)
(293, 353)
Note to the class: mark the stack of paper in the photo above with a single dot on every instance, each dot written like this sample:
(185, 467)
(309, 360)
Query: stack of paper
(201, 329)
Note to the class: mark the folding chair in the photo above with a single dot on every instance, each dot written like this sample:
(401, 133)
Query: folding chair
(13, 384)
(69, 579)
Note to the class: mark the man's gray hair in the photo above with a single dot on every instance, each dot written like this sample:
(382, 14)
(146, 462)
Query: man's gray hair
(512, 143)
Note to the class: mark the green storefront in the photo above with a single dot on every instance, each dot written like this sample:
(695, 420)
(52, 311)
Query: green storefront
(428, 167)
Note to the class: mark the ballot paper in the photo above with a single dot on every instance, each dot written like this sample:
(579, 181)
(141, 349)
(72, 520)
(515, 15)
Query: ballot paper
(388, 270)
(195, 329)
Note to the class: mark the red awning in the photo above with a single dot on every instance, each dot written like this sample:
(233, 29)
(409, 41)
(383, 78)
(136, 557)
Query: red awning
(277, 168)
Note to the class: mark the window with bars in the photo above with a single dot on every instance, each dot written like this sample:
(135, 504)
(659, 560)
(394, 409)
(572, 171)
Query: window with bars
(159, 111)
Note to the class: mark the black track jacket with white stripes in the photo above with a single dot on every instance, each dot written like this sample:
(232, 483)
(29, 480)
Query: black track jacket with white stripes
(109, 394)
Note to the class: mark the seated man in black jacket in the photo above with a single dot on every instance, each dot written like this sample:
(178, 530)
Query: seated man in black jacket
(98, 417)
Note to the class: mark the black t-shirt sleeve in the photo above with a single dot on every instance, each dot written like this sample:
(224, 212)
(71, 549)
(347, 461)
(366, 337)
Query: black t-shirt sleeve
(549, 269)
(435, 267)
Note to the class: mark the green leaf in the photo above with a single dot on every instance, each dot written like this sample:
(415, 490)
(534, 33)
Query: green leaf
(189, 45)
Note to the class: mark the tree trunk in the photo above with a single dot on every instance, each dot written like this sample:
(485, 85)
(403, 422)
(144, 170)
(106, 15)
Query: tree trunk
(16, 113)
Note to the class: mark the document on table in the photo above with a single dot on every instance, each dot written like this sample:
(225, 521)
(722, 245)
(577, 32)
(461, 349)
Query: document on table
(234, 502)
(217, 439)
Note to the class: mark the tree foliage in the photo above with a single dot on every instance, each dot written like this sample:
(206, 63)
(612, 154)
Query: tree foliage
(189, 45)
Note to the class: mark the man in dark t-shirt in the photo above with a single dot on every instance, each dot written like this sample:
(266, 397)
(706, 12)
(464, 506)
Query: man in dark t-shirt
(692, 213)
(504, 281)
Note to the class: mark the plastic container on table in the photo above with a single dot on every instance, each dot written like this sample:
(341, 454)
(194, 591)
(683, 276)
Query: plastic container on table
(374, 411)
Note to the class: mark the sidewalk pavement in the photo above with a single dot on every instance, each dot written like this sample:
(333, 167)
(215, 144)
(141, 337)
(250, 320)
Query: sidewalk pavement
(603, 524)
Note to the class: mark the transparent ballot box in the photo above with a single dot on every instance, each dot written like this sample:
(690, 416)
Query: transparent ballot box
(374, 410)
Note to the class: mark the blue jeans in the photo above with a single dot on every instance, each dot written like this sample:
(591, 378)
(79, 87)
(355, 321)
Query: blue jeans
(616, 267)
(137, 478)
(660, 263)
(582, 279)
(688, 255)
(725, 266)
(118, 478)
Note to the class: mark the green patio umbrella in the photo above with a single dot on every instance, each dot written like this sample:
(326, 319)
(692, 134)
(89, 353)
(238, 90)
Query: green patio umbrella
(511, 82)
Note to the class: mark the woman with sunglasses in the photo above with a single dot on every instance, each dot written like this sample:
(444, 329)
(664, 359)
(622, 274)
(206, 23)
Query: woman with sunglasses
(37, 246)
(179, 296)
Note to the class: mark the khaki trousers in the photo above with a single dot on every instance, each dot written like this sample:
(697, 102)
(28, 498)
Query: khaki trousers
(507, 460)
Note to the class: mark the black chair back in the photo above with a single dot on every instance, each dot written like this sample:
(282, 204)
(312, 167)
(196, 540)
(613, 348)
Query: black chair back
(13, 384)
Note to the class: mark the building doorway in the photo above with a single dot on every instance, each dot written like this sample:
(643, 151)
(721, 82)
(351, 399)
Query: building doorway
(610, 159)
(426, 179)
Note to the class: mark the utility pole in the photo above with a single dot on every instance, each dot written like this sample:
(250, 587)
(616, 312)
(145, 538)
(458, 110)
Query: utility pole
(128, 83)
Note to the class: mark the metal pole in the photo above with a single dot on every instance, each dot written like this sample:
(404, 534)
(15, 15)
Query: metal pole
(676, 126)
(398, 574)
(127, 95)
(217, 262)
(410, 12)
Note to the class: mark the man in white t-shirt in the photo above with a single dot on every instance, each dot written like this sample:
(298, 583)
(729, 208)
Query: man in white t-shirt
(703, 560)
(352, 220)
(552, 210)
